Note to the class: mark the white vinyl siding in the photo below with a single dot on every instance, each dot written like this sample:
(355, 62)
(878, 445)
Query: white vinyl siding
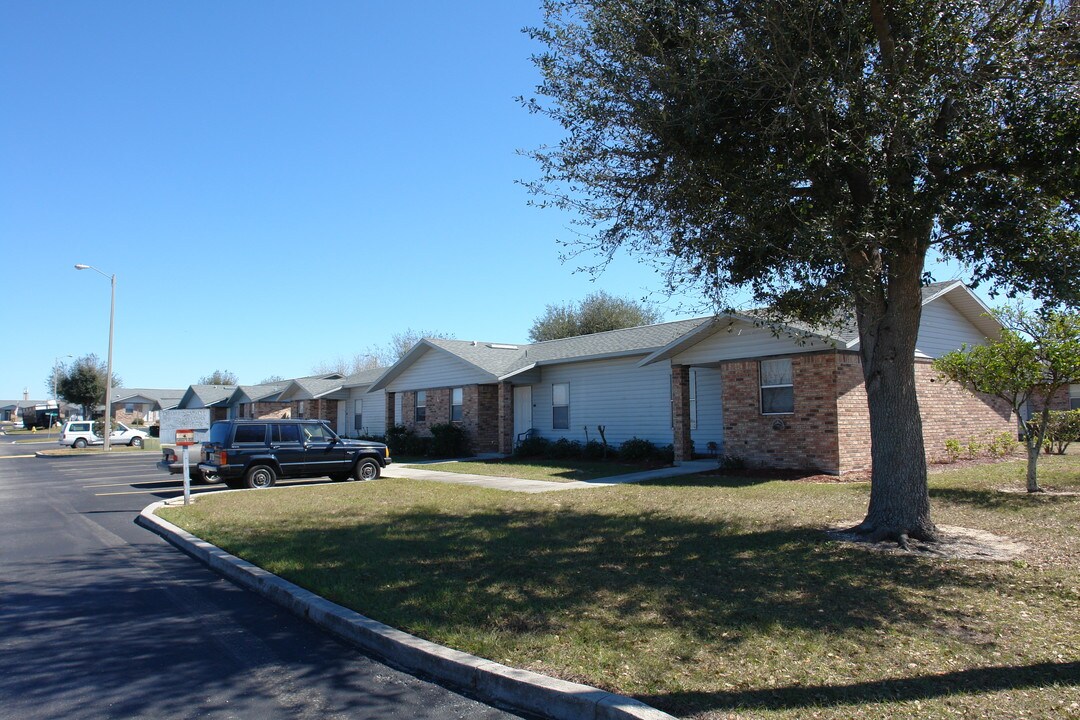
(372, 407)
(438, 369)
(627, 400)
(743, 340)
(943, 329)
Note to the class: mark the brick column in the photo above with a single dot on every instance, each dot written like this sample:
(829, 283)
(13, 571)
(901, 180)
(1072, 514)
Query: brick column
(389, 410)
(680, 390)
(506, 418)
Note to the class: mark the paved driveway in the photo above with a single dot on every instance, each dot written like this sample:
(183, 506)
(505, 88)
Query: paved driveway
(102, 619)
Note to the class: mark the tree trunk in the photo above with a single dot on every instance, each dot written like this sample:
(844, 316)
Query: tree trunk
(1034, 447)
(899, 495)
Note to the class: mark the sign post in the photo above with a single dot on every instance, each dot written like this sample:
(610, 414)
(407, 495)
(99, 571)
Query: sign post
(185, 439)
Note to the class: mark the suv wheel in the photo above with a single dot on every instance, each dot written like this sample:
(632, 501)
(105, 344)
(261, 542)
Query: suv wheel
(136, 442)
(80, 443)
(367, 469)
(260, 477)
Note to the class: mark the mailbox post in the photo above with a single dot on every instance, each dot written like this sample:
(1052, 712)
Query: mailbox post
(185, 439)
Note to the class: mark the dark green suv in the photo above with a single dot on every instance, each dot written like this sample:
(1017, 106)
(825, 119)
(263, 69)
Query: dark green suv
(255, 453)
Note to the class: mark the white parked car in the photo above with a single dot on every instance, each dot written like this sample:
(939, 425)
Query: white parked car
(80, 433)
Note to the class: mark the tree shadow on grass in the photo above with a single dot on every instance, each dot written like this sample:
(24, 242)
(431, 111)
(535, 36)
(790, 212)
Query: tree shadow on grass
(926, 687)
(540, 571)
(993, 499)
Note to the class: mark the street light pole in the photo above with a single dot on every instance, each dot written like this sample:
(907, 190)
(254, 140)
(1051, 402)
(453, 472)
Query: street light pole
(108, 366)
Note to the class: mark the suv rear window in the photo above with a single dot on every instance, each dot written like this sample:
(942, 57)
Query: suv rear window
(250, 433)
(219, 433)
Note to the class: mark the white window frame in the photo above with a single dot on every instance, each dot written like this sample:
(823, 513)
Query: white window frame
(358, 415)
(762, 386)
(457, 400)
(420, 404)
(555, 404)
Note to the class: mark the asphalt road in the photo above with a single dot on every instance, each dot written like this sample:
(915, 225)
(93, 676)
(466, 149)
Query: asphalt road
(102, 619)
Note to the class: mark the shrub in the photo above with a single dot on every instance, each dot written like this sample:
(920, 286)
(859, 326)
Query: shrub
(532, 447)
(563, 449)
(594, 450)
(449, 440)
(404, 441)
(636, 450)
(1064, 428)
(974, 447)
(732, 463)
(1002, 445)
(952, 449)
(665, 455)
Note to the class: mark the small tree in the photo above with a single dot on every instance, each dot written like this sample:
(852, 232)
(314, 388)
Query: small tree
(220, 377)
(1037, 354)
(83, 383)
(1064, 429)
(598, 312)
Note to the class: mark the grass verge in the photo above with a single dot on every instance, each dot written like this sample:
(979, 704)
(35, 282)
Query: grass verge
(709, 597)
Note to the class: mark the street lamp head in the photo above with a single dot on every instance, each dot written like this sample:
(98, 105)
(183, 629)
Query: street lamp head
(82, 267)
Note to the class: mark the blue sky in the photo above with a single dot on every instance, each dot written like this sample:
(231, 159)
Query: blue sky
(274, 184)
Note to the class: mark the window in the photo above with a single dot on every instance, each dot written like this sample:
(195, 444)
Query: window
(317, 433)
(777, 392)
(456, 401)
(250, 433)
(1074, 397)
(129, 408)
(560, 406)
(300, 409)
(421, 406)
(286, 433)
(358, 415)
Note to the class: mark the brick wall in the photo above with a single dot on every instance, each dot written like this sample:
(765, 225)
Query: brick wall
(266, 410)
(948, 412)
(484, 438)
(804, 439)
(320, 409)
(505, 418)
(140, 413)
(853, 418)
(479, 413)
(680, 410)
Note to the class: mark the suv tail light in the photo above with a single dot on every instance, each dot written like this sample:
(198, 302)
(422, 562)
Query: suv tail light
(223, 458)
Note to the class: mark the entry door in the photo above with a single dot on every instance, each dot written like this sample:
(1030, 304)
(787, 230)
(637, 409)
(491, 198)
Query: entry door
(523, 410)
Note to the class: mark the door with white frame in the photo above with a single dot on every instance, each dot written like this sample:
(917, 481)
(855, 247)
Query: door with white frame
(523, 411)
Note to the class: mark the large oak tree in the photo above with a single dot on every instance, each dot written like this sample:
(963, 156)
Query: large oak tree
(816, 152)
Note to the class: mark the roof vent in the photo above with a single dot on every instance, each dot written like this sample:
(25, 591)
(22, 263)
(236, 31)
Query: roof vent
(500, 346)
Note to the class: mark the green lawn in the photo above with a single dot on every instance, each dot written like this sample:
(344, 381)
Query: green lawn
(709, 597)
(551, 470)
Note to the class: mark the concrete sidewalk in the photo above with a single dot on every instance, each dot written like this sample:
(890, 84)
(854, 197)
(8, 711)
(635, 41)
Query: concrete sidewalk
(429, 471)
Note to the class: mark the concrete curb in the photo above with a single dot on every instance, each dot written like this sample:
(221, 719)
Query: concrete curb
(499, 684)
